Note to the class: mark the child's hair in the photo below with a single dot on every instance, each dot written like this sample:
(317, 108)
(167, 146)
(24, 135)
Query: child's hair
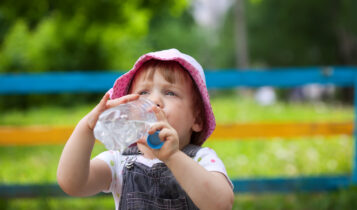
(173, 72)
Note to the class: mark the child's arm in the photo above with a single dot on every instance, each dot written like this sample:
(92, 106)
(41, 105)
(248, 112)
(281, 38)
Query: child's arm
(77, 175)
(208, 190)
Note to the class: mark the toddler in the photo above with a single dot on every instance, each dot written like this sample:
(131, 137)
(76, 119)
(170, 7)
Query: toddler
(179, 175)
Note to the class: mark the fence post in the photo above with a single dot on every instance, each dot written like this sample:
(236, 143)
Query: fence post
(354, 152)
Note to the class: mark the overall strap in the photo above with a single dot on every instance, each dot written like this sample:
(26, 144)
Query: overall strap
(191, 150)
(153, 187)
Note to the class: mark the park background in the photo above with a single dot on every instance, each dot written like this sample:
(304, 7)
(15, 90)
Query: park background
(109, 35)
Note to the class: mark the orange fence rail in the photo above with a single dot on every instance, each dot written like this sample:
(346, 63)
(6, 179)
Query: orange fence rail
(42, 135)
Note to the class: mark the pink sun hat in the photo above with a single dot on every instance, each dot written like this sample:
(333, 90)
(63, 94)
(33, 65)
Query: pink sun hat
(121, 85)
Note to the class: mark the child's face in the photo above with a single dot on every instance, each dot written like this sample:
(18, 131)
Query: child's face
(175, 99)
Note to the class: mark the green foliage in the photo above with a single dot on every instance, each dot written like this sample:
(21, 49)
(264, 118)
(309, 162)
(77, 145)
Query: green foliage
(81, 35)
(295, 33)
(50, 35)
(301, 32)
(47, 35)
(12, 55)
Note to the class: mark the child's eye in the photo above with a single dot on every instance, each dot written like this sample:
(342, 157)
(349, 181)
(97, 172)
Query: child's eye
(170, 93)
(143, 92)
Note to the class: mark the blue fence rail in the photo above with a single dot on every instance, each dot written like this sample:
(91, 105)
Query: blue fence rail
(61, 82)
(76, 82)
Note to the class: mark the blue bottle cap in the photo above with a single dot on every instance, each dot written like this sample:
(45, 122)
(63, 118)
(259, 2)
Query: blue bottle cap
(154, 141)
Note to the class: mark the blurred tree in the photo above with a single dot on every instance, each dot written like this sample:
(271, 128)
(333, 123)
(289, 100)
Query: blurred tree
(48, 35)
(110, 34)
(183, 33)
(303, 32)
(42, 35)
(297, 32)
(242, 59)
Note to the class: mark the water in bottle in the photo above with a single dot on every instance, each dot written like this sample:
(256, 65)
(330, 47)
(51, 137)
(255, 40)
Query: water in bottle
(120, 126)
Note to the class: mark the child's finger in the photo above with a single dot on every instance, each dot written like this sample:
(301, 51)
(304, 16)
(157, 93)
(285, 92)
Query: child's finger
(164, 134)
(142, 141)
(102, 104)
(122, 100)
(159, 113)
(156, 127)
(104, 100)
(94, 114)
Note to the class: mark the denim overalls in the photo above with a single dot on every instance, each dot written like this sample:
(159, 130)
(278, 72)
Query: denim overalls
(153, 187)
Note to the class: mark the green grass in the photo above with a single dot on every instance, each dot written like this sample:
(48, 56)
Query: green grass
(237, 109)
(50, 115)
(247, 158)
(342, 199)
(258, 158)
(293, 157)
(227, 110)
(32, 164)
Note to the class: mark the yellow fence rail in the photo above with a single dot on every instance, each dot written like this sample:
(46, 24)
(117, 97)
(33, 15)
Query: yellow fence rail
(46, 135)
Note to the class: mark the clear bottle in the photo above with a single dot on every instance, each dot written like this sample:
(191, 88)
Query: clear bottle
(119, 127)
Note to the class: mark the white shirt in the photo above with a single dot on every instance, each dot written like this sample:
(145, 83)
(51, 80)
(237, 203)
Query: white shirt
(206, 157)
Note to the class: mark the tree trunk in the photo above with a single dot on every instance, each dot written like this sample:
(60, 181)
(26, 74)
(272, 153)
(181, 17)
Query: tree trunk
(241, 36)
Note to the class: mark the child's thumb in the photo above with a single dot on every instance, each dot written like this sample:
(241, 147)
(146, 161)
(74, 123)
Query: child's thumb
(94, 114)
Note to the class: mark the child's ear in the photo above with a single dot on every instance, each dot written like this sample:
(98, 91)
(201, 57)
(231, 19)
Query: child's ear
(198, 124)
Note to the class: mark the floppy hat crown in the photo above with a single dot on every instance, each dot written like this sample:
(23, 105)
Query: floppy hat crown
(121, 85)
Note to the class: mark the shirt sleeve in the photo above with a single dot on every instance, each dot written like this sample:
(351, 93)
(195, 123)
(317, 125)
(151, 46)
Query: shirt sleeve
(208, 159)
(115, 163)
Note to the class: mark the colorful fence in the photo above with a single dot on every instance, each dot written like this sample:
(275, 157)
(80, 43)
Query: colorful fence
(227, 79)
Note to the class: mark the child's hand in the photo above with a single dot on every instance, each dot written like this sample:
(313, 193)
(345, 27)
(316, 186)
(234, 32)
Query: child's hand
(105, 104)
(167, 134)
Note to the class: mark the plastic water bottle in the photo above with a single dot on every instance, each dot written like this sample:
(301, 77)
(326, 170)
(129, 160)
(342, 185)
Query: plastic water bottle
(119, 127)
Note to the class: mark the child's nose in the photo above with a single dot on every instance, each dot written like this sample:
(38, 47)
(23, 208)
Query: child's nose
(156, 99)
